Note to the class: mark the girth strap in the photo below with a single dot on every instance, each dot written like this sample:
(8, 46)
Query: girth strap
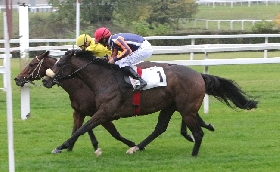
(136, 96)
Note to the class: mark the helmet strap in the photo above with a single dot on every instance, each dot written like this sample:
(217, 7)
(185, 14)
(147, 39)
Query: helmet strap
(85, 40)
(103, 33)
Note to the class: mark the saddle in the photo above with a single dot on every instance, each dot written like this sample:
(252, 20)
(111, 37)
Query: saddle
(154, 76)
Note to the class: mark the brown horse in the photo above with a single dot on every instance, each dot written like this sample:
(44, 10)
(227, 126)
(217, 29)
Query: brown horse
(184, 93)
(82, 105)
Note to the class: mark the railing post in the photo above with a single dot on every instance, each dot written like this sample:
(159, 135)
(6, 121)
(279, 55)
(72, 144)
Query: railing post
(206, 97)
(192, 43)
(265, 51)
(231, 25)
(24, 54)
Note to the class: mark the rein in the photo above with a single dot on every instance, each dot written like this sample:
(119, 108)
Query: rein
(58, 77)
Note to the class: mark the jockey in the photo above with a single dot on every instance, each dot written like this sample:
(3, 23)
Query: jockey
(85, 42)
(134, 48)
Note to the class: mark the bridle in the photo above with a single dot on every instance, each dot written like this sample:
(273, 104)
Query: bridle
(59, 76)
(33, 74)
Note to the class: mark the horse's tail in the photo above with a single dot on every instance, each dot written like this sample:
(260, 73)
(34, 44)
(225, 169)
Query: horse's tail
(228, 91)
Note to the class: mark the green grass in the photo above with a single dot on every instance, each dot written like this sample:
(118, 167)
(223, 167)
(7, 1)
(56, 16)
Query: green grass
(221, 55)
(237, 12)
(242, 141)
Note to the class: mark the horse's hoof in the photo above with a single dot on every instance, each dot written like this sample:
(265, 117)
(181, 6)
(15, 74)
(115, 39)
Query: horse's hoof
(132, 150)
(194, 155)
(98, 152)
(69, 150)
(56, 151)
(190, 138)
(211, 127)
(141, 149)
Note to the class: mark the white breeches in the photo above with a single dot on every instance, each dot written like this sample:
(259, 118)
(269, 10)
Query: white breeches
(145, 51)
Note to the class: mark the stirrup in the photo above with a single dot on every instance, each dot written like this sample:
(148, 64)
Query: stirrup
(139, 87)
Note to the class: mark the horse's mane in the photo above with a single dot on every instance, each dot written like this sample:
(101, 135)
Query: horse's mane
(53, 58)
(99, 61)
(49, 57)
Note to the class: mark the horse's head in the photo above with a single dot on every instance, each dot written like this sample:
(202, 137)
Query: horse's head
(69, 66)
(36, 69)
(60, 70)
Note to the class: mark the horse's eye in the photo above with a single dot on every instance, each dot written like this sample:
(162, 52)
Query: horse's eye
(31, 65)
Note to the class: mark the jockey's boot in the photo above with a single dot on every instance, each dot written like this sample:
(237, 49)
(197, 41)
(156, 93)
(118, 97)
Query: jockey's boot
(130, 72)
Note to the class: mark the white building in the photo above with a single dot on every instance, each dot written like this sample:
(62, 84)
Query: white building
(28, 2)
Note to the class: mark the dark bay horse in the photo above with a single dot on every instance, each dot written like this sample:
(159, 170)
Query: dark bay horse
(83, 105)
(184, 93)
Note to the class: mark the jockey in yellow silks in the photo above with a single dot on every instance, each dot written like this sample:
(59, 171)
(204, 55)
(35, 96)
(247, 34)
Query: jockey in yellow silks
(85, 42)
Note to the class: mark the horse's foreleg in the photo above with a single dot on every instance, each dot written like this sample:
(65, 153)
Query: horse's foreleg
(110, 127)
(163, 120)
(94, 143)
(78, 122)
(93, 140)
(89, 125)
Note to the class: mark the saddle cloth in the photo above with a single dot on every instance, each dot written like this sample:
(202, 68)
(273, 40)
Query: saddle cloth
(154, 76)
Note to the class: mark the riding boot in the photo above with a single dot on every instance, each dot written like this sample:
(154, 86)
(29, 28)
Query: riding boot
(130, 72)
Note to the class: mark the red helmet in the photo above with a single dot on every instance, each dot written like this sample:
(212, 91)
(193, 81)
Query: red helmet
(101, 33)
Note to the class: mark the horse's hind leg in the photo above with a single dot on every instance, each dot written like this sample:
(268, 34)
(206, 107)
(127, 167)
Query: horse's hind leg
(110, 127)
(196, 130)
(163, 120)
(184, 132)
(201, 123)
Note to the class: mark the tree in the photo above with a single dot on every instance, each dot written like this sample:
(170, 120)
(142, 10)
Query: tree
(171, 11)
(160, 13)
(182, 9)
(91, 11)
(126, 12)
(95, 11)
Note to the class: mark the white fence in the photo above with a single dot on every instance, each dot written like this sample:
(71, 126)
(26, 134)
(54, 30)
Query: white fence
(185, 49)
(3, 70)
(235, 2)
(33, 9)
(230, 23)
(193, 48)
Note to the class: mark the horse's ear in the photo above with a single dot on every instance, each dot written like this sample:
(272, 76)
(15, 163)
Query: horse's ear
(73, 53)
(47, 53)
